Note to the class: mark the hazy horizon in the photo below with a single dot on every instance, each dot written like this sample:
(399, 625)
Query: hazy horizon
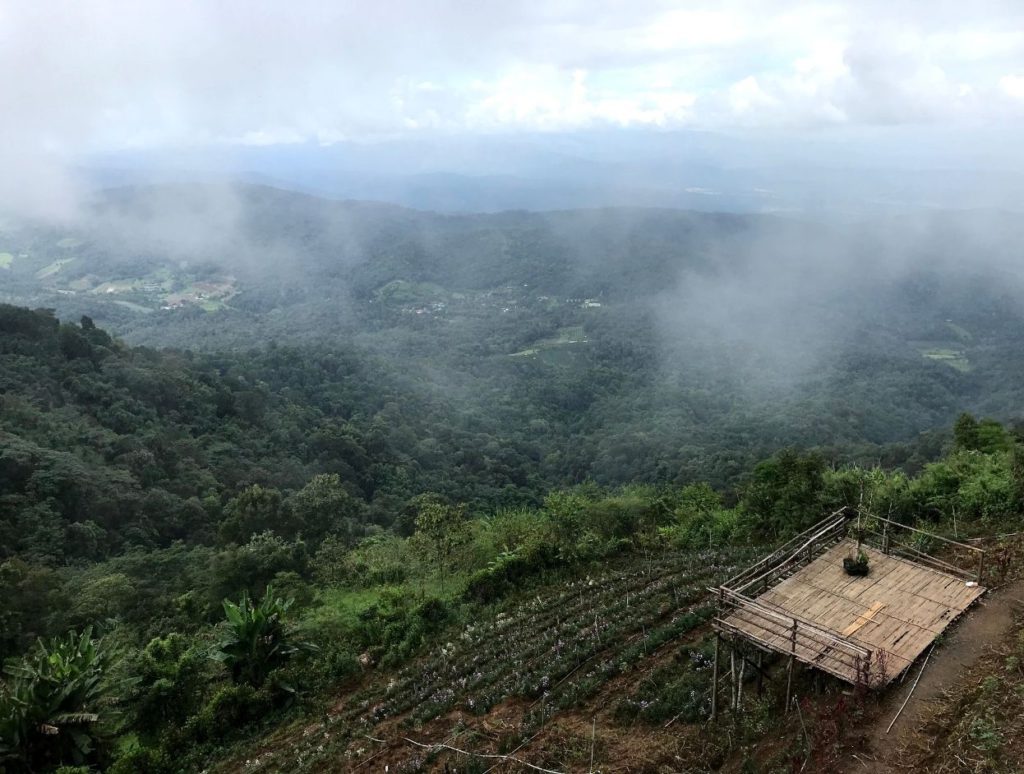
(833, 107)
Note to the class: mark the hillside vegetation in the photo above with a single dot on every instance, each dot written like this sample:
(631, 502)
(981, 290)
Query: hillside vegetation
(201, 549)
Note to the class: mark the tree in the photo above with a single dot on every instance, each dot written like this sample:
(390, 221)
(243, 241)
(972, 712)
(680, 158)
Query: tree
(30, 596)
(443, 529)
(257, 509)
(965, 432)
(252, 566)
(784, 494)
(324, 507)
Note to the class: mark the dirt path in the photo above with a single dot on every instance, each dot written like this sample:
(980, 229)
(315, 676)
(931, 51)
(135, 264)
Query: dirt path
(985, 625)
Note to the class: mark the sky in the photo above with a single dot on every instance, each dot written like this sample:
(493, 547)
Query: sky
(91, 76)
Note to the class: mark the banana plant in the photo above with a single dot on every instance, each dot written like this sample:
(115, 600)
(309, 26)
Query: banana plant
(52, 702)
(257, 638)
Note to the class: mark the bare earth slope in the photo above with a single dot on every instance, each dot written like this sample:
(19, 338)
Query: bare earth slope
(951, 668)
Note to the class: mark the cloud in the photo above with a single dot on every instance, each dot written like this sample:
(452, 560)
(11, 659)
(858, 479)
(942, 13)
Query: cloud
(1013, 86)
(102, 75)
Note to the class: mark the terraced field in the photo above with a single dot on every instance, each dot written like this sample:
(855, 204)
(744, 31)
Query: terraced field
(541, 655)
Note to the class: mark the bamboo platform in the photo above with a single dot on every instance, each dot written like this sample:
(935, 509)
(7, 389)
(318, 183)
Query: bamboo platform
(893, 613)
(800, 602)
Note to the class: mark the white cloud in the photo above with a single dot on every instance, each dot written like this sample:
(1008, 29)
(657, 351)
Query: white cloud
(1013, 85)
(539, 98)
(103, 74)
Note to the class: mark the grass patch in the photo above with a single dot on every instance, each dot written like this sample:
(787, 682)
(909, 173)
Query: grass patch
(343, 605)
(53, 268)
(134, 307)
(116, 286)
(954, 358)
(572, 334)
(404, 292)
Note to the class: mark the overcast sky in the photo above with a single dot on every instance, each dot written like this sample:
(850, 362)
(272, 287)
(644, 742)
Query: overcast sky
(92, 75)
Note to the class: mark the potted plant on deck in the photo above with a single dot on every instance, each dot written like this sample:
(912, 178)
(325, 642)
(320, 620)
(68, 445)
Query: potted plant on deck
(856, 565)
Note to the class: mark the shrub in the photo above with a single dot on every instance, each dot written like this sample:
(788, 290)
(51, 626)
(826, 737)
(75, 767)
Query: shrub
(508, 571)
(173, 677)
(151, 760)
(230, 708)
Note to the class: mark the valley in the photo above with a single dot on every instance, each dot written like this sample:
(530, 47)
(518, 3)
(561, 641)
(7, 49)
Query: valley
(485, 468)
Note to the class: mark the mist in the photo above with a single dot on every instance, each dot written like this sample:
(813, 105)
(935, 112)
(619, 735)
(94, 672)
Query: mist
(768, 198)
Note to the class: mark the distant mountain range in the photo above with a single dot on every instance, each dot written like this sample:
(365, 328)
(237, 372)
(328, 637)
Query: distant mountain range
(819, 175)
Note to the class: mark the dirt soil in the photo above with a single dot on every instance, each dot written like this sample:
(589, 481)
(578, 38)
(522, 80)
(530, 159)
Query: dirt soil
(874, 749)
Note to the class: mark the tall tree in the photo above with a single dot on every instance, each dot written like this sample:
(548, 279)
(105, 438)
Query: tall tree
(443, 529)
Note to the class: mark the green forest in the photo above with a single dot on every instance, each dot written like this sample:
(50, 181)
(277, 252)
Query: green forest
(199, 546)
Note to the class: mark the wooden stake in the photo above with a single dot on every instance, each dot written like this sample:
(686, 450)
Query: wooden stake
(912, 689)
(593, 736)
(481, 755)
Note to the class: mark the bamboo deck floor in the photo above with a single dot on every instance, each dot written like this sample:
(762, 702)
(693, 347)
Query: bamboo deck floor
(900, 607)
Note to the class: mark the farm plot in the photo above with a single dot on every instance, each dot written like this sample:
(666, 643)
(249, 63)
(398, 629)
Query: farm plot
(53, 269)
(954, 358)
(572, 334)
(550, 652)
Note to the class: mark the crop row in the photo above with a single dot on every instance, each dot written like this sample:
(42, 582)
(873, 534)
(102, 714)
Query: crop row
(556, 646)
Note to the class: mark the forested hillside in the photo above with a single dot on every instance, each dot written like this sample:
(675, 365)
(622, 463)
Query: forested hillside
(615, 345)
(147, 498)
(260, 450)
(140, 488)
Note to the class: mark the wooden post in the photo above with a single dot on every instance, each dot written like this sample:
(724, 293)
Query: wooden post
(789, 669)
(714, 679)
(739, 680)
(981, 566)
(789, 682)
(760, 672)
(732, 674)
(885, 538)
